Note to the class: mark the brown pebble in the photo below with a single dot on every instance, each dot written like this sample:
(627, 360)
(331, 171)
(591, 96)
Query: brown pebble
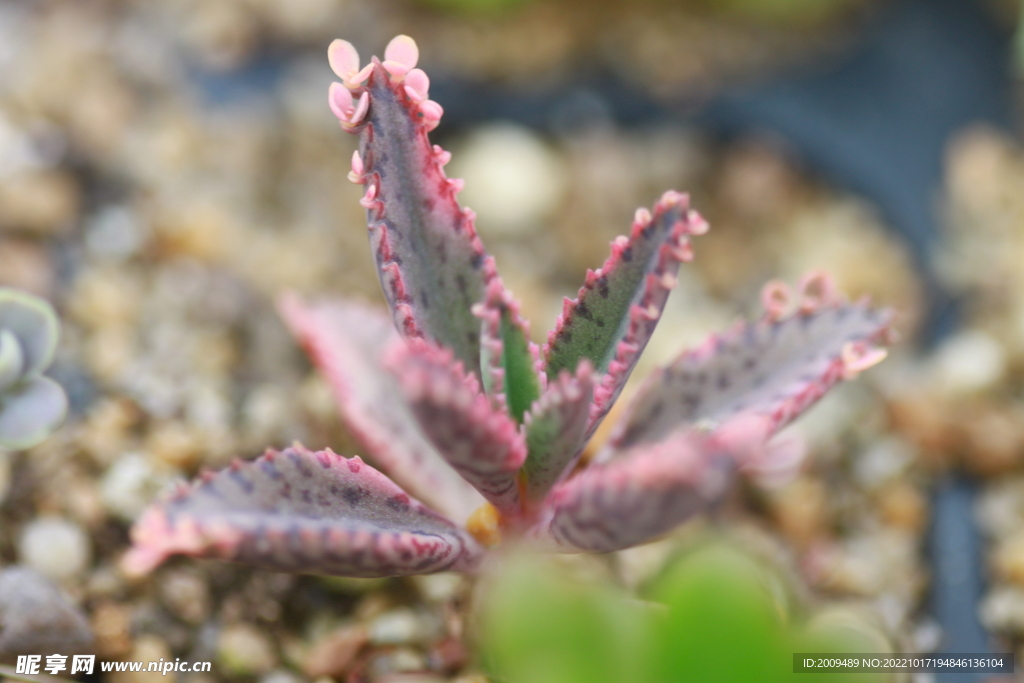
(800, 509)
(39, 202)
(334, 653)
(448, 656)
(176, 444)
(902, 505)
(111, 624)
(1008, 559)
(184, 592)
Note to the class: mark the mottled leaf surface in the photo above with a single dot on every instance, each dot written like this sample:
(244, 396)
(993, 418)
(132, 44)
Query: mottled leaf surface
(634, 498)
(775, 368)
(556, 429)
(430, 260)
(301, 511)
(346, 341)
(627, 292)
(480, 441)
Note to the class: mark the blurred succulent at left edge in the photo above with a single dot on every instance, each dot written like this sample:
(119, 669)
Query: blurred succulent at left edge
(452, 398)
(31, 405)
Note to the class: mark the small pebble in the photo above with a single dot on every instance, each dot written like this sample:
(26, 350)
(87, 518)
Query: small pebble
(440, 587)
(146, 648)
(333, 654)
(115, 232)
(401, 660)
(1002, 610)
(969, 362)
(41, 202)
(801, 510)
(130, 486)
(184, 591)
(902, 505)
(395, 628)
(55, 547)
(513, 181)
(174, 444)
(36, 616)
(280, 676)
(244, 650)
(111, 624)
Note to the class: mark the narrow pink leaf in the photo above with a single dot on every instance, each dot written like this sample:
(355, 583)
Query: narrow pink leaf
(775, 368)
(300, 511)
(619, 305)
(346, 341)
(430, 260)
(634, 498)
(480, 441)
(556, 429)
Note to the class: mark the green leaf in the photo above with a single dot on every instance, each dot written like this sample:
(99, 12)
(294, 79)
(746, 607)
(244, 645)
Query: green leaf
(540, 626)
(723, 622)
(508, 358)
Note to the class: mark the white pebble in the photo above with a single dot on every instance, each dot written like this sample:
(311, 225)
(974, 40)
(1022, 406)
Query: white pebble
(398, 627)
(130, 485)
(55, 547)
(969, 362)
(513, 180)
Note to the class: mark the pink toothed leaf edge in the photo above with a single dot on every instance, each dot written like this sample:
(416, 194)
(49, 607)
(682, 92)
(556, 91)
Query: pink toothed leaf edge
(302, 511)
(482, 443)
(822, 342)
(677, 223)
(556, 428)
(635, 498)
(432, 266)
(346, 340)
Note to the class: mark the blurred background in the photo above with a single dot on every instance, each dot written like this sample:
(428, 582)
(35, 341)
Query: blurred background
(168, 168)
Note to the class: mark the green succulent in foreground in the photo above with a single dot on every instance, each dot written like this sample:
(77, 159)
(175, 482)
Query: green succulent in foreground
(715, 614)
(31, 405)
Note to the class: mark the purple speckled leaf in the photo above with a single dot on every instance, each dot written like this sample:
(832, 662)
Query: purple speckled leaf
(431, 263)
(634, 498)
(774, 368)
(619, 305)
(481, 442)
(556, 428)
(346, 341)
(300, 511)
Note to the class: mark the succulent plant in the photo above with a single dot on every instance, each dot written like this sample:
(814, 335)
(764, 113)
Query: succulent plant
(31, 405)
(543, 624)
(452, 399)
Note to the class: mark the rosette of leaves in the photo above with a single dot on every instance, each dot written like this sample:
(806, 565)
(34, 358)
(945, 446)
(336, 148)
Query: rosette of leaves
(481, 431)
(31, 405)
